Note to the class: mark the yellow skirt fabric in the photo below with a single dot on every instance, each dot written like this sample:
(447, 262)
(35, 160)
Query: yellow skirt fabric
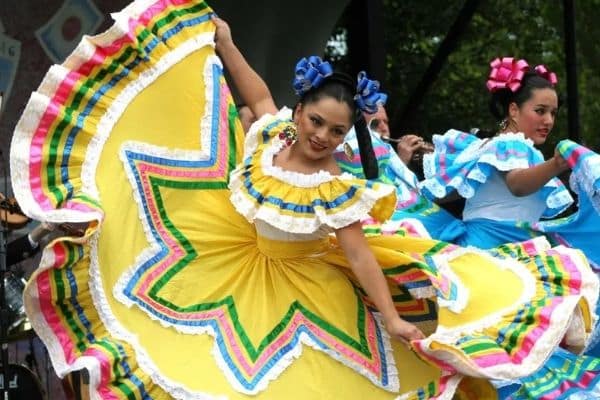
(245, 316)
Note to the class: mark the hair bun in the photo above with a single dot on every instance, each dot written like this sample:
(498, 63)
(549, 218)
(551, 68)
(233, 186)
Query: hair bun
(506, 73)
(368, 97)
(310, 72)
(546, 74)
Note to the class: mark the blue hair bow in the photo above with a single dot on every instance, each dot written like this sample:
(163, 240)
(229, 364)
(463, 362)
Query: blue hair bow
(368, 97)
(310, 73)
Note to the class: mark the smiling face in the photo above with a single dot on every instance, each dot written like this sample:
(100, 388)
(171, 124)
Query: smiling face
(535, 118)
(321, 126)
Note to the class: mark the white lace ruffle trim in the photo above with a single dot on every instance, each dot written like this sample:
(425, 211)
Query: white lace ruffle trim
(586, 178)
(565, 320)
(252, 141)
(295, 224)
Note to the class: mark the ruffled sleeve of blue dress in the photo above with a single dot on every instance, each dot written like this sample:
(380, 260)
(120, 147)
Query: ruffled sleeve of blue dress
(415, 214)
(463, 163)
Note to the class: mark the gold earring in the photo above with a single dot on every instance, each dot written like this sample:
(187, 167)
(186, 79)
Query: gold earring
(503, 125)
(348, 151)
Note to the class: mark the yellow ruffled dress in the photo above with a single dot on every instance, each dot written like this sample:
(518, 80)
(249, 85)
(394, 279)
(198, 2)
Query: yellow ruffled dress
(501, 322)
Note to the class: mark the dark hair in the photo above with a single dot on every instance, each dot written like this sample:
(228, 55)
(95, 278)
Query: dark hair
(483, 133)
(338, 86)
(342, 88)
(502, 98)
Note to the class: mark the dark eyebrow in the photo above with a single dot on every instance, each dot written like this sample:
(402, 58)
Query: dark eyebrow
(342, 127)
(316, 114)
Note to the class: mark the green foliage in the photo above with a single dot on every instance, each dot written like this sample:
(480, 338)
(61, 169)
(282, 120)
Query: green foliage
(529, 29)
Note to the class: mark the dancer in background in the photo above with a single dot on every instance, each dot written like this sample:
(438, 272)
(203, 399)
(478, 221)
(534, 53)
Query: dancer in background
(512, 193)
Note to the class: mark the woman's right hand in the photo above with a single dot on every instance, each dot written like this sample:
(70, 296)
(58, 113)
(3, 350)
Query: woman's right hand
(404, 331)
(222, 33)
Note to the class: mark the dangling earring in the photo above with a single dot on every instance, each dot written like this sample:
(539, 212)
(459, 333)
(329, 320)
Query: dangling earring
(348, 151)
(502, 125)
(288, 135)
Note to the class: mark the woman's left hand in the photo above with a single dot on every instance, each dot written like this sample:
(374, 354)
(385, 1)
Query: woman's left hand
(560, 163)
(222, 33)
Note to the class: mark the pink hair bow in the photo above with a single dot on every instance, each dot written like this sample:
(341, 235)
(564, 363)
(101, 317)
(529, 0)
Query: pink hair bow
(506, 73)
(547, 74)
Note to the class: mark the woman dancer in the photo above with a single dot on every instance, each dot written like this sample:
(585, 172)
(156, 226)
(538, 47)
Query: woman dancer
(193, 301)
(508, 186)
